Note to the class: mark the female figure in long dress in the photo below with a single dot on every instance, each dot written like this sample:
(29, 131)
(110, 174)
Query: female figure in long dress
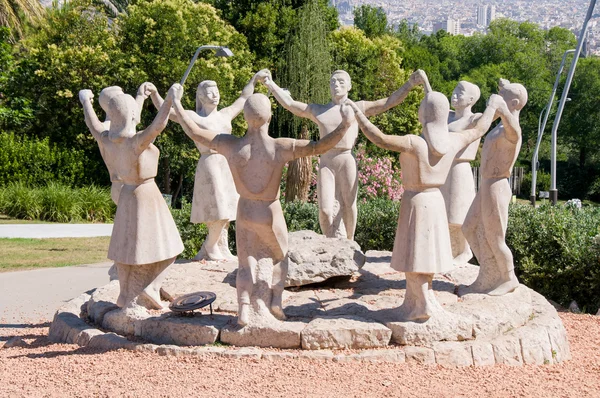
(145, 240)
(422, 244)
(215, 199)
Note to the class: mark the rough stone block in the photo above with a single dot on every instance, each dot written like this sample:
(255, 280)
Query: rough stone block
(192, 331)
(102, 301)
(483, 354)
(246, 352)
(419, 354)
(347, 332)
(535, 345)
(110, 341)
(390, 355)
(494, 315)
(453, 353)
(173, 350)
(315, 258)
(443, 326)
(321, 355)
(507, 350)
(275, 334)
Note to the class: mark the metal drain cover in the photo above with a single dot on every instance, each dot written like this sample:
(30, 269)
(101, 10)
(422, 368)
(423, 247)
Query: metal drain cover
(192, 301)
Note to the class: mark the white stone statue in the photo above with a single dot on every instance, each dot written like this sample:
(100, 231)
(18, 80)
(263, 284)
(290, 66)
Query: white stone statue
(145, 240)
(487, 219)
(90, 116)
(337, 184)
(256, 161)
(215, 199)
(422, 243)
(459, 189)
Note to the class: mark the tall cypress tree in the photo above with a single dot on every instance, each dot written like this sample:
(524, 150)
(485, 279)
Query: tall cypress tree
(305, 70)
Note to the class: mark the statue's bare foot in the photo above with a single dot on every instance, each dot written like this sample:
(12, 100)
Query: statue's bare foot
(166, 296)
(278, 313)
(463, 258)
(476, 287)
(150, 298)
(243, 314)
(507, 286)
(277, 304)
(209, 255)
(418, 313)
(228, 255)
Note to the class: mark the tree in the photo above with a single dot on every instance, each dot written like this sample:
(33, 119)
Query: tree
(580, 125)
(267, 23)
(305, 73)
(160, 37)
(371, 20)
(14, 111)
(74, 47)
(13, 12)
(77, 47)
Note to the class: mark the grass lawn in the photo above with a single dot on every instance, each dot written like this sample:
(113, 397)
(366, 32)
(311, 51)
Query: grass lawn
(22, 254)
(4, 219)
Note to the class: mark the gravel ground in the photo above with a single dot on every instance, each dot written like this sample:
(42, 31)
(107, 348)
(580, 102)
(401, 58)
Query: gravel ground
(42, 369)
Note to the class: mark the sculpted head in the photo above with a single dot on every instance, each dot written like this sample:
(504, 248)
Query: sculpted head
(257, 110)
(122, 110)
(340, 84)
(107, 94)
(433, 115)
(207, 94)
(514, 94)
(465, 95)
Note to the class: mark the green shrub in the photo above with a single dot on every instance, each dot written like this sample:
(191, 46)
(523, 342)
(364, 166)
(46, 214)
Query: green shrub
(301, 216)
(34, 162)
(377, 222)
(555, 253)
(57, 202)
(192, 235)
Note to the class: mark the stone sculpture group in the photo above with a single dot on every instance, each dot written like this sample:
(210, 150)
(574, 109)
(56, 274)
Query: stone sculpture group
(441, 218)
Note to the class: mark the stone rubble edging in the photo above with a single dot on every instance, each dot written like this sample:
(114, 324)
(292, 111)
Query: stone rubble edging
(542, 342)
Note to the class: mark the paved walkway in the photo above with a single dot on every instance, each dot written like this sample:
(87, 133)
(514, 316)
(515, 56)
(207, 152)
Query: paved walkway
(40, 231)
(31, 297)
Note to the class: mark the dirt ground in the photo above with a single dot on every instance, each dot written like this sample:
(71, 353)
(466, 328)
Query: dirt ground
(43, 369)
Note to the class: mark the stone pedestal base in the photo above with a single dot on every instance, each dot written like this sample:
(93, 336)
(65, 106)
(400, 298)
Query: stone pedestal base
(357, 314)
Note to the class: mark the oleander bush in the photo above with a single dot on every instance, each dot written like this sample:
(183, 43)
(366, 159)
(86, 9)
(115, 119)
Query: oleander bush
(556, 252)
(57, 202)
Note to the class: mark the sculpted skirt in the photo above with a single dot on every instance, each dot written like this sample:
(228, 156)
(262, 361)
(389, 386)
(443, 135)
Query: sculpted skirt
(215, 197)
(144, 231)
(422, 241)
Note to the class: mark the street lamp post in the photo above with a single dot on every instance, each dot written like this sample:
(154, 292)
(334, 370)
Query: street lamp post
(222, 51)
(542, 127)
(563, 99)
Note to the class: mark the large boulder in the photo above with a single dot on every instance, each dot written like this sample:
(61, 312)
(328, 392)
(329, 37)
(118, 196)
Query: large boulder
(315, 258)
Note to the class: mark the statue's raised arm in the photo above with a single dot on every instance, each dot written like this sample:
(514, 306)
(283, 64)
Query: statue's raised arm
(372, 108)
(284, 98)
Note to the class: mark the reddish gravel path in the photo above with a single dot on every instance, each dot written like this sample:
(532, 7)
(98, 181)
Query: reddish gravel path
(57, 370)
